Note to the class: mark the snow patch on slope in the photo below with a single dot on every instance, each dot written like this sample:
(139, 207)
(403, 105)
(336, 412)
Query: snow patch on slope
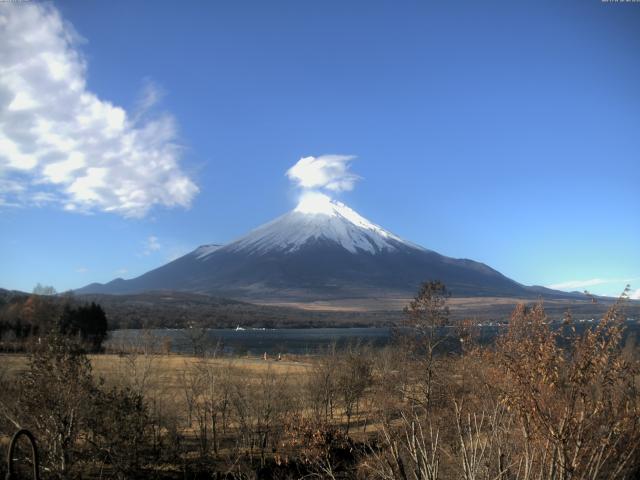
(204, 251)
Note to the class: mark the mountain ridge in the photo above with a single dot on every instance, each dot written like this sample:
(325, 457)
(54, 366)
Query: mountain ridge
(321, 249)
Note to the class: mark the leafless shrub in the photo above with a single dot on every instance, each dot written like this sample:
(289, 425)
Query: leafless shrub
(55, 396)
(118, 430)
(407, 452)
(484, 451)
(324, 450)
(575, 396)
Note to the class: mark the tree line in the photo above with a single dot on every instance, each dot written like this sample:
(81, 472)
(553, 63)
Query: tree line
(27, 319)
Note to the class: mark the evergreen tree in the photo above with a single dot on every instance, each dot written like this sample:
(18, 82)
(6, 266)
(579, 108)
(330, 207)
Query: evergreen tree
(87, 321)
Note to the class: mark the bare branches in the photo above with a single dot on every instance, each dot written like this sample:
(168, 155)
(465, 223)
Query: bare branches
(407, 454)
(574, 394)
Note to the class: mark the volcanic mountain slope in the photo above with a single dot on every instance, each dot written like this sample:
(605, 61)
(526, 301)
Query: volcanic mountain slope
(321, 250)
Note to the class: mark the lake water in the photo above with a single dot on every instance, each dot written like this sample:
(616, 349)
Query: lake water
(285, 340)
(249, 341)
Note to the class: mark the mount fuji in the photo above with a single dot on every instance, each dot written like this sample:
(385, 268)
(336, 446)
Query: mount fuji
(321, 250)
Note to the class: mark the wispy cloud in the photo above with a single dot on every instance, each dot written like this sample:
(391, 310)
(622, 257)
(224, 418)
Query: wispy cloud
(149, 97)
(122, 271)
(635, 295)
(330, 172)
(152, 244)
(580, 284)
(577, 284)
(82, 270)
(62, 144)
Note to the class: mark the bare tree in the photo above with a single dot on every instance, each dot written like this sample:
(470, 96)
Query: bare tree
(425, 316)
(321, 384)
(40, 289)
(354, 376)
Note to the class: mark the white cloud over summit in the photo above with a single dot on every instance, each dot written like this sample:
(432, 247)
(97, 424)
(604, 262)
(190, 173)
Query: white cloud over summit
(61, 144)
(330, 172)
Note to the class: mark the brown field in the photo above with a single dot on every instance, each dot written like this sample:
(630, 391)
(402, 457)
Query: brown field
(496, 308)
(163, 373)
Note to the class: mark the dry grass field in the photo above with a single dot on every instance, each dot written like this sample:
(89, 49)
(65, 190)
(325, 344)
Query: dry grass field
(108, 365)
(163, 375)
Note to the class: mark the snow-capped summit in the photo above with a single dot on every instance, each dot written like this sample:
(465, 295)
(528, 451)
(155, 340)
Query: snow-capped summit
(318, 218)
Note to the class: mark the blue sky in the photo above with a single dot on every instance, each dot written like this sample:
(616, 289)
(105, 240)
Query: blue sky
(506, 132)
